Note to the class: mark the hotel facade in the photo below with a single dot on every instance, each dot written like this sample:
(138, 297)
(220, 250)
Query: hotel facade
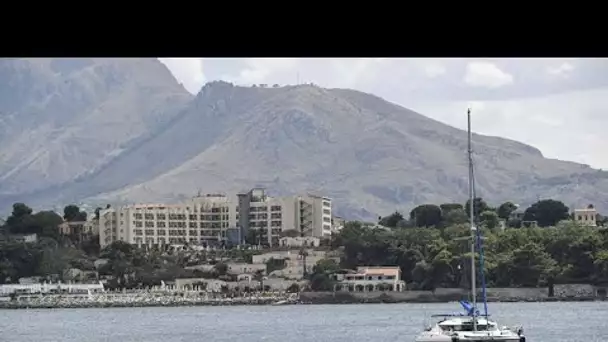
(215, 218)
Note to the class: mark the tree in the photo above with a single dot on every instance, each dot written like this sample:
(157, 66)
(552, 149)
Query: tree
(72, 213)
(293, 288)
(601, 266)
(252, 237)
(43, 223)
(547, 212)
(97, 212)
(426, 215)
(505, 210)
(489, 219)
(221, 268)
(392, 220)
(275, 264)
(527, 266)
(321, 278)
(455, 217)
(479, 207)
(447, 207)
(259, 277)
(20, 213)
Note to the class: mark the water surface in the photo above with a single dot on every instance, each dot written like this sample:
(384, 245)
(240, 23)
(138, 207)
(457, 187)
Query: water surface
(543, 322)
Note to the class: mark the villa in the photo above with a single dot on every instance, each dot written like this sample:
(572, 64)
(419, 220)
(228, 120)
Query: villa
(371, 278)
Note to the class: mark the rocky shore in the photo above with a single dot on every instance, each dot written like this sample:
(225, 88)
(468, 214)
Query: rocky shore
(141, 300)
(151, 298)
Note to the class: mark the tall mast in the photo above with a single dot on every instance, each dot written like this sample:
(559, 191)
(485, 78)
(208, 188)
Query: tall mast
(472, 221)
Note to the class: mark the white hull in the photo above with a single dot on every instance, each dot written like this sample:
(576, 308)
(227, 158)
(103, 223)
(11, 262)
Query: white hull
(459, 329)
(470, 336)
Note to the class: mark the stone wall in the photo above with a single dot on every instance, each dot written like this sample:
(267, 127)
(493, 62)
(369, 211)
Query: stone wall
(561, 292)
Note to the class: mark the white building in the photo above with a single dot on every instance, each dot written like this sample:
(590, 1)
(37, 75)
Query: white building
(368, 279)
(299, 241)
(586, 217)
(215, 218)
(7, 289)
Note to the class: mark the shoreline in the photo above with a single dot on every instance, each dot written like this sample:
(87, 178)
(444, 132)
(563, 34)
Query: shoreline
(304, 298)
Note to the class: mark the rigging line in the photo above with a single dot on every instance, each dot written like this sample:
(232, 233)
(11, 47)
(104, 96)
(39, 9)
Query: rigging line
(479, 242)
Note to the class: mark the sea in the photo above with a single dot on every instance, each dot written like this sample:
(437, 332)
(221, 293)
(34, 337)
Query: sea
(543, 322)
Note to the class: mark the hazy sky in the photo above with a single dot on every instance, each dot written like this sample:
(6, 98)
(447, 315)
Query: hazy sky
(557, 105)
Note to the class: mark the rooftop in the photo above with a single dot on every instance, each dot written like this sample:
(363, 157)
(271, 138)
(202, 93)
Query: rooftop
(379, 270)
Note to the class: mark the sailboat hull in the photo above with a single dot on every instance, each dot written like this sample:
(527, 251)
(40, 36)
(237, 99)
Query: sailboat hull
(472, 337)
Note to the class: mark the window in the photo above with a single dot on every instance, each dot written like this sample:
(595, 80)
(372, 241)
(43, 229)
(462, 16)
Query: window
(149, 216)
(326, 211)
(149, 231)
(161, 224)
(139, 232)
(161, 216)
(192, 217)
(326, 204)
(149, 224)
(275, 208)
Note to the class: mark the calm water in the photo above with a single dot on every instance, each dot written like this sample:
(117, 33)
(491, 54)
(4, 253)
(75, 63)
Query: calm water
(549, 322)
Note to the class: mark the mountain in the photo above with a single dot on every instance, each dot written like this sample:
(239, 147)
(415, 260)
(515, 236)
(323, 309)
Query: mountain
(371, 156)
(62, 119)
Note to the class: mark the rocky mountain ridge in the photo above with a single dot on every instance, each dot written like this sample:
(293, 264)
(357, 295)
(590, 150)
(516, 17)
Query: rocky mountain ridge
(137, 135)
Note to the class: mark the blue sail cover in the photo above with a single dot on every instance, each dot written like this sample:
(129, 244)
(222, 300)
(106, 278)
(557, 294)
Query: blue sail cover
(468, 307)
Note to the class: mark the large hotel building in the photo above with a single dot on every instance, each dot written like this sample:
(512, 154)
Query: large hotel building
(215, 218)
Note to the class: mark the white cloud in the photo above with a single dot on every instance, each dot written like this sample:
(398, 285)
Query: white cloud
(562, 70)
(188, 71)
(258, 69)
(486, 74)
(567, 126)
(434, 70)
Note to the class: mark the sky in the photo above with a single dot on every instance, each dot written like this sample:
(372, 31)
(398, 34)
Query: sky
(558, 105)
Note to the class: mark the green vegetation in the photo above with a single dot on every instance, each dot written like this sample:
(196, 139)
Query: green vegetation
(539, 247)
(50, 256)
(426, 247)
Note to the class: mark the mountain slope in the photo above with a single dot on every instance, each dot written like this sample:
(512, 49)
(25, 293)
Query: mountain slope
(370, 155)
(62, 119)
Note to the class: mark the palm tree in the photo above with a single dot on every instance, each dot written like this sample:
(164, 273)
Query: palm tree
(303, 253)
(259, 276)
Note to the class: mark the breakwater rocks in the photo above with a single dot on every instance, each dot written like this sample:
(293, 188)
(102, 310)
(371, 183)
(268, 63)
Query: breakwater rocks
(140, 300)
(570, 293)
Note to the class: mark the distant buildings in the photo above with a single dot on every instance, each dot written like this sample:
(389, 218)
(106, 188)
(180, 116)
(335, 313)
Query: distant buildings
(80, 230)
(216, 218)
(369, 279)
(307, 241)
(586, 217)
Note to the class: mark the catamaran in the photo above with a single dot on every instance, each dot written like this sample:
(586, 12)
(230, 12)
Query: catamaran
(471, 326)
